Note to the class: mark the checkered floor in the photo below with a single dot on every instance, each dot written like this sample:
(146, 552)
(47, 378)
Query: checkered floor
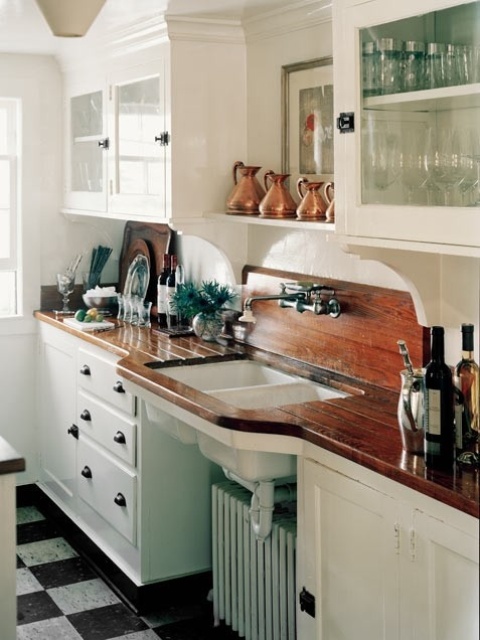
(59, 596)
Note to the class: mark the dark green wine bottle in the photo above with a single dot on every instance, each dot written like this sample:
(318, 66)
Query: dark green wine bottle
(439, 407)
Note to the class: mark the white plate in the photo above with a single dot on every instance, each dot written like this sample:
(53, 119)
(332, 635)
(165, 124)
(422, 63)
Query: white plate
(88, 326)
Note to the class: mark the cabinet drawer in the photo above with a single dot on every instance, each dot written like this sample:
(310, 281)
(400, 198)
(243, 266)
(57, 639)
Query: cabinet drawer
(97, 375)
(116, 432)
(108, 488)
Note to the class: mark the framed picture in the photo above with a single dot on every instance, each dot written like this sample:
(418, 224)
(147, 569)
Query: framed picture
(308, 119)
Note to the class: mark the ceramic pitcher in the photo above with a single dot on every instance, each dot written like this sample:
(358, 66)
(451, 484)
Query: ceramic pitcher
(278, 203)
(247, 193)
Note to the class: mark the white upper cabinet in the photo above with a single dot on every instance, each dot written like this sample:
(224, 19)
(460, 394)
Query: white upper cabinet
(407, 176)
(156, 137)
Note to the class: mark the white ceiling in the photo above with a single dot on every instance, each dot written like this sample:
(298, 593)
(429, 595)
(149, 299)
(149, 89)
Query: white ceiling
(24, 30)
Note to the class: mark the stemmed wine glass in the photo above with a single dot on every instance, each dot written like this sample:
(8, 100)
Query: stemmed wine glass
(470, 163)
(413, 170)
(65, 286)
(442, 162)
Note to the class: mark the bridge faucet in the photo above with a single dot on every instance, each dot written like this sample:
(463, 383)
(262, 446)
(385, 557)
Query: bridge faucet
(302, 296)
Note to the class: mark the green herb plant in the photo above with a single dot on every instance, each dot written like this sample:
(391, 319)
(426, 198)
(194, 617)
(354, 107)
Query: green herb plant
(190, 299)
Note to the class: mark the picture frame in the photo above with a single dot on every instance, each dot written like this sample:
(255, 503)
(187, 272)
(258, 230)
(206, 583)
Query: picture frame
(308, 120)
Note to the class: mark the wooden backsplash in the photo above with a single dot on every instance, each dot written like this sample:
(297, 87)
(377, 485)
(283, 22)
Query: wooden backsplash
(361, 343)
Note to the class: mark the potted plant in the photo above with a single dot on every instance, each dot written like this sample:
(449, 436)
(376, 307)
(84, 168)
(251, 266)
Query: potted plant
(202, 304)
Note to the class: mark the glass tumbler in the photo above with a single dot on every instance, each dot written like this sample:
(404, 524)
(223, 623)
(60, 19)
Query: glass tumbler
(413, 66)
(435, 74)
(464, 63)
(389, 65)
(369, 59)
(144, 309)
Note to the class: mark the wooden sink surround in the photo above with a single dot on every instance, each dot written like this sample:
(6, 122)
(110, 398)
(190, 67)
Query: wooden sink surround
(356, 352)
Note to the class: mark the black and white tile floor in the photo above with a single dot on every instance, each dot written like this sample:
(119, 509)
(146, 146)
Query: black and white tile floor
(60, 597)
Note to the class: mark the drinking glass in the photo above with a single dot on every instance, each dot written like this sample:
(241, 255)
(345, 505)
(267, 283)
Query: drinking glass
(65, 286)
(442, 162)
(384, 160)
(144, 309)
(470, 153)
(413, 170)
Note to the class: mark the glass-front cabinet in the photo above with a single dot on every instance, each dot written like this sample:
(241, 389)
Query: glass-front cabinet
(136, 119)
(117, 144)
(87, 140)
(409, 72)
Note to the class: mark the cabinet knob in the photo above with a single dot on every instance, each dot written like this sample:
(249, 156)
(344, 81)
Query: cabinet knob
(85, 415)
(118, 387)
(85, 370)
(73, 431)
(119, 437)
(86, 472)
(163, 139)
(104, 144)
(120, 500)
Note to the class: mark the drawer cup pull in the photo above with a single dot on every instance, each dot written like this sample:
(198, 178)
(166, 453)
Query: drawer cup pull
(119, 438)
(86, 472)
(85, 370)
(120, 500)
(118, 387)
(85, 415)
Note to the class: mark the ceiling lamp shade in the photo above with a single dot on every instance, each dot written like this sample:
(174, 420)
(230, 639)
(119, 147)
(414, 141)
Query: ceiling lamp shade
(70, 18)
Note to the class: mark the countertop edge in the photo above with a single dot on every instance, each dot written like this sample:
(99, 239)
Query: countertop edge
(10, 460)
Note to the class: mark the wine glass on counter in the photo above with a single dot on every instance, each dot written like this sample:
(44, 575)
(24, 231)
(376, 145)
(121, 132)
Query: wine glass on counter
(65, 286)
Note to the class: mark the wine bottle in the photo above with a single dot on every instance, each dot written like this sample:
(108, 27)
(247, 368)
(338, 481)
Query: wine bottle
(439, 411)
(162, 292)
(172, 319)
(468, 381)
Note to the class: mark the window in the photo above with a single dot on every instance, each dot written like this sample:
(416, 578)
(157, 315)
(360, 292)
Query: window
(9, 206)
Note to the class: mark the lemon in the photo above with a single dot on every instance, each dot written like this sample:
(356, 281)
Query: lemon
(92, 313)
(80, 315)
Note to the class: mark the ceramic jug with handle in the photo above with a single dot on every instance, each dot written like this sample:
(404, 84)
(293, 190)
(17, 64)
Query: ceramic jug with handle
(247, 193)
(278, 203)
(411, 410)
(312, 205)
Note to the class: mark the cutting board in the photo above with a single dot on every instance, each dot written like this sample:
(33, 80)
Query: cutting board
(88, 326)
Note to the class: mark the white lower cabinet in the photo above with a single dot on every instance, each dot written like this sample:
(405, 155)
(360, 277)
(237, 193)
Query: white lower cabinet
(140, 496)
(382, 561)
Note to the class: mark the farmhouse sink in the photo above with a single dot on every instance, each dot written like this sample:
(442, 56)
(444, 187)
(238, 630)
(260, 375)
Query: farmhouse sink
(247, 384)
(240, 384)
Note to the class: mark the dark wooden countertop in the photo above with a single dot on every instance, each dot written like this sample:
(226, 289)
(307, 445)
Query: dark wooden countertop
(361, 427)
(10, 460)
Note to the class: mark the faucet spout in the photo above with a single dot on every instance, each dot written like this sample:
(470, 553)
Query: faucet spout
(302, 296)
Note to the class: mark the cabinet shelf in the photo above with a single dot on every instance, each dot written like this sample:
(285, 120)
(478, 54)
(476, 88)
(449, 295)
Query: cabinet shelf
(444, 99)
(290, 223)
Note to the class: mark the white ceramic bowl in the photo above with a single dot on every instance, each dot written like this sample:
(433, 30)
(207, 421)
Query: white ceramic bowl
(101, 302)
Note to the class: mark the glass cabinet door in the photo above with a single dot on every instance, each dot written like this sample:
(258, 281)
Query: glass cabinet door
(420, 128)
(87, 143)
(410, 73)
(137, 159)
